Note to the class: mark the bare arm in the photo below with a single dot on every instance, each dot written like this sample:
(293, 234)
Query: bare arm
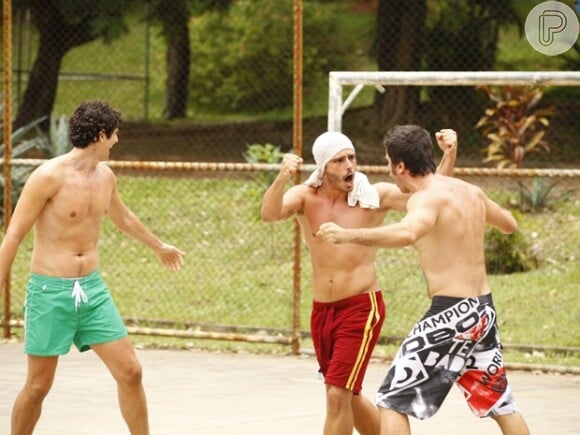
(419, 220)
(499, 217)
(39, 188)
(129, 223)
(447, 141)
(276, 205)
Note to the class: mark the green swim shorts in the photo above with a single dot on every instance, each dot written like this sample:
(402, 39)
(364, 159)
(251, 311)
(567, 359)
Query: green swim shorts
(62, 311)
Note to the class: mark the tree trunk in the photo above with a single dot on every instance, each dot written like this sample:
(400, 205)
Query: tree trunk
(56, 38)
(175, 28)
(399, 30)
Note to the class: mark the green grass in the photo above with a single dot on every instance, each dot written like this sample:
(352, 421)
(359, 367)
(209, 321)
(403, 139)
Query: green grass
(238, 270)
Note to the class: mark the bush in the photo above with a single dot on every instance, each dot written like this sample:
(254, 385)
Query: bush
(540, 196)
(26, 139)
(258, 153)
(514, 125)
(508, 253)
(243, 60)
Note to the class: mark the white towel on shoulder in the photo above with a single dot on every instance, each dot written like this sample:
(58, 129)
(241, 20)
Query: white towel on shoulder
(325, 147)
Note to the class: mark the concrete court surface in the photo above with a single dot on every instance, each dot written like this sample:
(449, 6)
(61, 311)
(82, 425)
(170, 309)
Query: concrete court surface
(197, 392)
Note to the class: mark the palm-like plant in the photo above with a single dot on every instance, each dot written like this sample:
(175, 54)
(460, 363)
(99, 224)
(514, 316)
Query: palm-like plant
(23, 140)
(27, 138)
(515, 125)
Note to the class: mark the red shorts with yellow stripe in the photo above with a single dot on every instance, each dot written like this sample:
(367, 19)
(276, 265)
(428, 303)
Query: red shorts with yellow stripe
(344, 334)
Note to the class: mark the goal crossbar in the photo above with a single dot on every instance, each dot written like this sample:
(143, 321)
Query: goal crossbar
(338, 79)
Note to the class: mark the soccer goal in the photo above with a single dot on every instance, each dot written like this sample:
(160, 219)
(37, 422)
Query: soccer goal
(340, 79)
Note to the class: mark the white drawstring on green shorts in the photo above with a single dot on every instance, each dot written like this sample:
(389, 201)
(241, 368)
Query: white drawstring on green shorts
(79, 295)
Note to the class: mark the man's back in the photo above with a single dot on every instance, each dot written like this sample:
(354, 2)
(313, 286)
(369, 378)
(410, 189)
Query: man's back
(452, 253)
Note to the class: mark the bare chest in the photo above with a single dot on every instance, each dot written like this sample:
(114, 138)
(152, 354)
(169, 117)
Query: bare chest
(79, 199)
(320, 211)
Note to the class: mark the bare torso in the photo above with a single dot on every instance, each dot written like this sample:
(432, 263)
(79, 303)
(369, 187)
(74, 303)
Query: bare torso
(66, 232)
(452, 254)
(339, 271)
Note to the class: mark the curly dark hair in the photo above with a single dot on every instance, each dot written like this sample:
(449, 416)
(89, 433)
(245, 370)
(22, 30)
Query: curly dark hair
(89, 119)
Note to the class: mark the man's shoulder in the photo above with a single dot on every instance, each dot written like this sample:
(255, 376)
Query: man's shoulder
(49, 169)
(385, 186)
(303, 189)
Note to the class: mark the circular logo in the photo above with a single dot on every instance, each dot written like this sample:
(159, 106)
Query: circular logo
(552, 28)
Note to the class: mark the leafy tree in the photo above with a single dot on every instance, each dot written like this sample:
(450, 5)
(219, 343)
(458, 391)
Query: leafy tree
(435, 35)
(244, 59)
(63, 25)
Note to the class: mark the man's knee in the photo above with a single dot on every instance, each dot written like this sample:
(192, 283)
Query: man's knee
(131, 374)
(338, 399)
(37, 389)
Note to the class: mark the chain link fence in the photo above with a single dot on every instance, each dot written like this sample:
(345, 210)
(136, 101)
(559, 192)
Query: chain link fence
(231, 83)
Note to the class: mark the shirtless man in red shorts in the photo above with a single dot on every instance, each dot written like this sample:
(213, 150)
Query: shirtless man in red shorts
(348, 309)
(456, 341)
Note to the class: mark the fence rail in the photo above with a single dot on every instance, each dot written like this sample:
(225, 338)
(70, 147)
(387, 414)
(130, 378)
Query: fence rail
(238, 282)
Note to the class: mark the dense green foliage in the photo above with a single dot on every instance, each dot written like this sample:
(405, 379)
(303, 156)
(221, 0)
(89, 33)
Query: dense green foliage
(243, 60)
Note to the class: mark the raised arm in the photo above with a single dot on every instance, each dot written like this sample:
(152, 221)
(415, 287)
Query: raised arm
(277, 205)
(125, 220)
(419, 220)
(447, 141)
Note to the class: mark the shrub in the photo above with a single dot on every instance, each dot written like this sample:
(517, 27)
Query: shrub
(243, 60)
(258, 153)
(515, 125)
(508, 253)
(31, 137)
(541, 195)
(23, 140)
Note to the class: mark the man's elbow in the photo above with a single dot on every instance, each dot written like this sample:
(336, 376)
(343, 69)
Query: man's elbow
(510, 225)
(268, 216)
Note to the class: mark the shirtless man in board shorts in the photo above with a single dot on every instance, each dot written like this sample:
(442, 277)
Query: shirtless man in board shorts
(66, 199)
(348, 309)
(457, 340)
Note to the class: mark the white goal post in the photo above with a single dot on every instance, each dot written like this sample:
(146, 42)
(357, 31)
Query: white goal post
(339, 79)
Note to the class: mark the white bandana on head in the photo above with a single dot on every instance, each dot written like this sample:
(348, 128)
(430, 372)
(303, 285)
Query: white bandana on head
(325, 147)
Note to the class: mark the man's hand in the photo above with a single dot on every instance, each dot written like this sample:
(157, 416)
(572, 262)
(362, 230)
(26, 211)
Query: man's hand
(289, 165)
(331, 233)
(171, 257)
(447, 140)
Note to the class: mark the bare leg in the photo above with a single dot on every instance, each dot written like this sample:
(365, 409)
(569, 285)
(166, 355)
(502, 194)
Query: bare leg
(28, 404)
(366, 416)
(394, 423)
(339, 418)
(121, 360)
(512, 424)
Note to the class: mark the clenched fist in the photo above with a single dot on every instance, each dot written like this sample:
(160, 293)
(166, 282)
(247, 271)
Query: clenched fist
(447, 140)
(289, 165)
(331, 233)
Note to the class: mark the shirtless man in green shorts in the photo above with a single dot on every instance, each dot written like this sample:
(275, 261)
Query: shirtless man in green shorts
(348, 309)
(65, 200)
